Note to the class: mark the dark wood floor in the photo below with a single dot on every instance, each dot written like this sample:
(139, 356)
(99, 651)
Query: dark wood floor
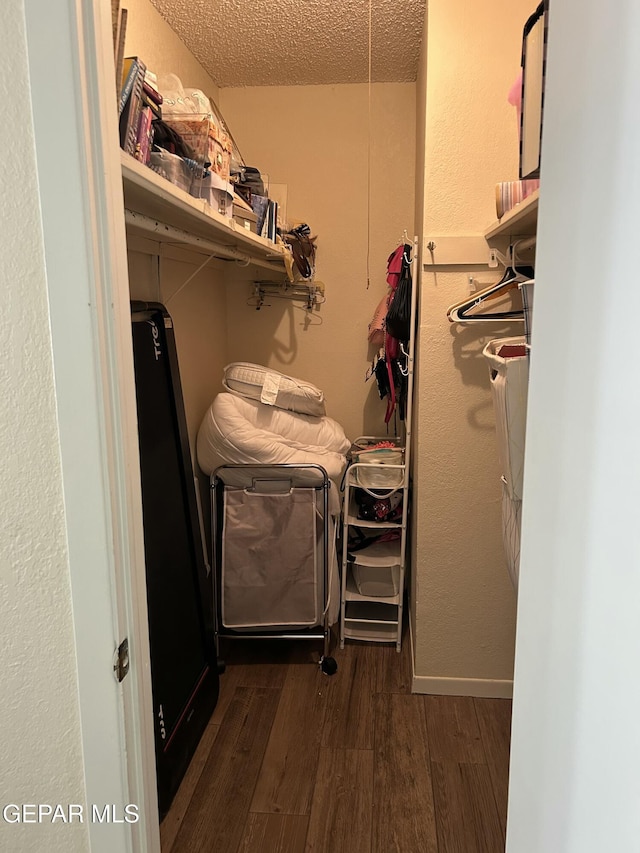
(294, 761)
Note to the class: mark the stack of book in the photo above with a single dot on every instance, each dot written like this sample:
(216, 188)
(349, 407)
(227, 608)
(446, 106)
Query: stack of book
(510, 193)
(139, 104)
(270, 224)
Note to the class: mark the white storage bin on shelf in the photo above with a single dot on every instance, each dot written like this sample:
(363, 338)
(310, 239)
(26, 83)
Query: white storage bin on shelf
(377, 581)
(509, 371)
(376, 569)
(383, 467)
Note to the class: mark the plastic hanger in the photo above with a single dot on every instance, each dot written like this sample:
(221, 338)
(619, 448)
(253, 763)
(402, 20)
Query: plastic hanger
(514, 274)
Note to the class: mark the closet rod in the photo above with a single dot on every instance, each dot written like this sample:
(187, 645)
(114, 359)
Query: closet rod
(310, 292)
(176, 235)
(523, 245)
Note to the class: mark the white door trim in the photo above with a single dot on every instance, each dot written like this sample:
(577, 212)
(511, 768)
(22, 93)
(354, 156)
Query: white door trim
(74, 106)
(575, 745)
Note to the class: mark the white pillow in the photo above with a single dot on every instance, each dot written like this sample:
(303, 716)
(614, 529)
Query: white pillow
(256, 382)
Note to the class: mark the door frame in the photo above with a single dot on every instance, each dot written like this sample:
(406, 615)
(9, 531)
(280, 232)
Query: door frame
(575, 746)
(82, 209)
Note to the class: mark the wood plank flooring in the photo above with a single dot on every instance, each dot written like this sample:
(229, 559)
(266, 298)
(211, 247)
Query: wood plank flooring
(294, 761)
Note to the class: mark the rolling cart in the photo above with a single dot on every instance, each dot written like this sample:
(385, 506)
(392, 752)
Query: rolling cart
(276, 572)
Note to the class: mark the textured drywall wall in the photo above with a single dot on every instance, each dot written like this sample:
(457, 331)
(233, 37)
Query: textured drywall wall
(315, 140)
(465, 605)
(291, 43)
(150, 37)
(41, 755)
(196, 302)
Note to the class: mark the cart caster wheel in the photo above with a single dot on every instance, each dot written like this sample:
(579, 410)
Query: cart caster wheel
(221, 666)
(328, 666)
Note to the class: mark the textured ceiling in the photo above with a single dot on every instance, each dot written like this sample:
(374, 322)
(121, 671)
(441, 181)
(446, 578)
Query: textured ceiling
(299, 42)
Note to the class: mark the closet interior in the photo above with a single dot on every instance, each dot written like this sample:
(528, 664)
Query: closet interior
(353, 163)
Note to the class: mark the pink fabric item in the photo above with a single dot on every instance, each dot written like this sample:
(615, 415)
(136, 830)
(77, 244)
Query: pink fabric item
(394, 267)
(515, 92)
(376, 326)
(515, 98)
(391, 346)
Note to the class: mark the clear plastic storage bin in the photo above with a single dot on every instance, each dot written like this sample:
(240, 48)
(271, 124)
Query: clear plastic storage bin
(384, 471)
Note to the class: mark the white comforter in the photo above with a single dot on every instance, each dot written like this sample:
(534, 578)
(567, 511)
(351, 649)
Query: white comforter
(237, 431)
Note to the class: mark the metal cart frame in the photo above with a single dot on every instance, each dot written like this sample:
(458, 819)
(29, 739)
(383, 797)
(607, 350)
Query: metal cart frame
(284, 478)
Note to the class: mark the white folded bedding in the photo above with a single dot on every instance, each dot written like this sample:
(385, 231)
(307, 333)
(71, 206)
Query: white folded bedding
(256, 382)
(238, 431)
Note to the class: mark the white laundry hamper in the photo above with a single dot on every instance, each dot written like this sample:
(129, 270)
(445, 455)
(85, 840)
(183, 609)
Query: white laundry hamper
(526, 289)
(511, 520)
(509, 371)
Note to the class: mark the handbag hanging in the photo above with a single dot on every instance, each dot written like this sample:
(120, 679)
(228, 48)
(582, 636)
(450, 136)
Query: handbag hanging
(391, 366)
(398, 322)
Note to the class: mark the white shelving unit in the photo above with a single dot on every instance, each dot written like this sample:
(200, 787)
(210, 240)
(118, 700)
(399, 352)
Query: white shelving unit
(374, 617)
(377, 617)
(157, 209)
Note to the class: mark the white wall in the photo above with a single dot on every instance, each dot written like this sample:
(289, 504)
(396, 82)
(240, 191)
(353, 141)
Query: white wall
(464, 603)
(315, 140)
(39, 716)
(576, 740)
(151, 38)
(196, 301)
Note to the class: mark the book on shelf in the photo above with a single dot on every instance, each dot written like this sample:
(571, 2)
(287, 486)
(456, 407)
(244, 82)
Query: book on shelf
(264, 229)
(156, 109)
(271, 223)
(151, 78)
(130, 115)
(151, 91)
(144, 139)
(127, 79)
(260, 204)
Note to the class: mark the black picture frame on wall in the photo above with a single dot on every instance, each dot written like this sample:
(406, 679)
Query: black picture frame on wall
(534, 61)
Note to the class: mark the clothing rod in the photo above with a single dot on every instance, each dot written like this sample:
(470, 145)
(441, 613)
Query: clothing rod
(311, 294)
(523, 245)
(176, 235)
(288, 290)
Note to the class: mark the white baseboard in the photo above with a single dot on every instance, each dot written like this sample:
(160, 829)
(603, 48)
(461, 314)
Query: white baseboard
(487, 688)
